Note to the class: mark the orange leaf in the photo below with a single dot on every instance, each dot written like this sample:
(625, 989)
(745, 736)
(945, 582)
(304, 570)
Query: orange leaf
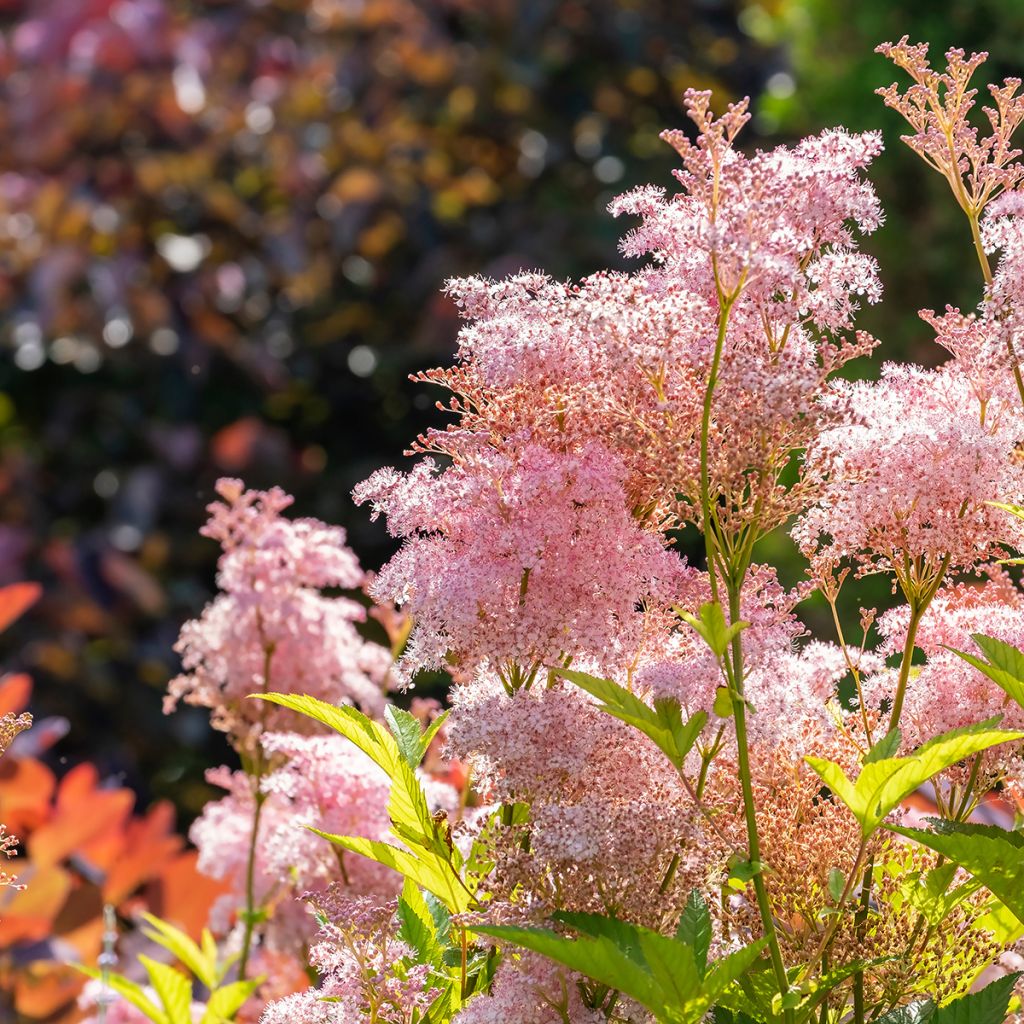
(15, 600)
(44, 987)
(83, 813)
(183, 896)
(26, 789)
(28, 914)
(150, 843)
(15, 691)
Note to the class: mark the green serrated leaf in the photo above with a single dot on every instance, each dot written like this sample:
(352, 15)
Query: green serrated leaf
(1005, 664)
(922, 1012)
(887, 746)
(723, 973)
(225, 1001)
(405, 728)
(695, 929)
(407, 804)
(663, 723)
(416, 924)
(431, 731)
(711, 626)
(658, 972)
(425, 868)
(173, 988)
(882, 784)
(179, 945)
(1014, 510)
(441, 916)
(988, 1006)
(987, 852)
(742, 871)
(600, 958)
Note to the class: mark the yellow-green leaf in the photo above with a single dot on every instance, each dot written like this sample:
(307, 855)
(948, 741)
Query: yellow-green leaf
(882, 784)
(130, 991)
(173, 988)
(225, 1002)
(424, 867)
(184, 948)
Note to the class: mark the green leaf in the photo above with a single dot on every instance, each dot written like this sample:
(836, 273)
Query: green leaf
(405, 728)
(370, 737)
(913, 1013)
(663, 723)
(407, 805)
(441, 916)
(989, 1006)
(742, 871)
(225, 1002)
(991, 854)
(416, 924)
(888, 745)
(660, 973)
(930, 894)
(130, 992)
(173, 988)
(431, 731)
(695, 929)
(209, 951)
(710, 624)
(425, 868)
(722, 973)
(836, 884)
(882, 784)
(1003, 926)
(723, 702)
(720, 1015)
(1005, 665)
(179, 945)
(1014, 510)
(599, 958)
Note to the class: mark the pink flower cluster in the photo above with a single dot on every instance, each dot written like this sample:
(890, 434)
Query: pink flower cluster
(319, 781)
(592, 423)
(366, 971)
(911, 474)
(270, 628)
(948, 693)
(517, 561)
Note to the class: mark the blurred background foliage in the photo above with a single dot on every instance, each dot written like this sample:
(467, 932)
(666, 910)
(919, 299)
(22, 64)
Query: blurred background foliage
(224, 227)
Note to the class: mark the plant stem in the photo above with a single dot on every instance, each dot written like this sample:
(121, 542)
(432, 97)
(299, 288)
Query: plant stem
(250, 881)
(919, 598)
(258, 800)
(705, 432)
(739, 709)
(916, 611)
(860, 921)
(986, 271)
(734, 584)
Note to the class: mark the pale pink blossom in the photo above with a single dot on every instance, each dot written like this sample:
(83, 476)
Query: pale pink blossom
(319, 781)
(271, 628)
(911, 479)
(517, 562)
(365, 970)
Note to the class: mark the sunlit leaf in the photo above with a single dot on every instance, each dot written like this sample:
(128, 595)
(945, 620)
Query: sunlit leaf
(882, 784)
(663, 723)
